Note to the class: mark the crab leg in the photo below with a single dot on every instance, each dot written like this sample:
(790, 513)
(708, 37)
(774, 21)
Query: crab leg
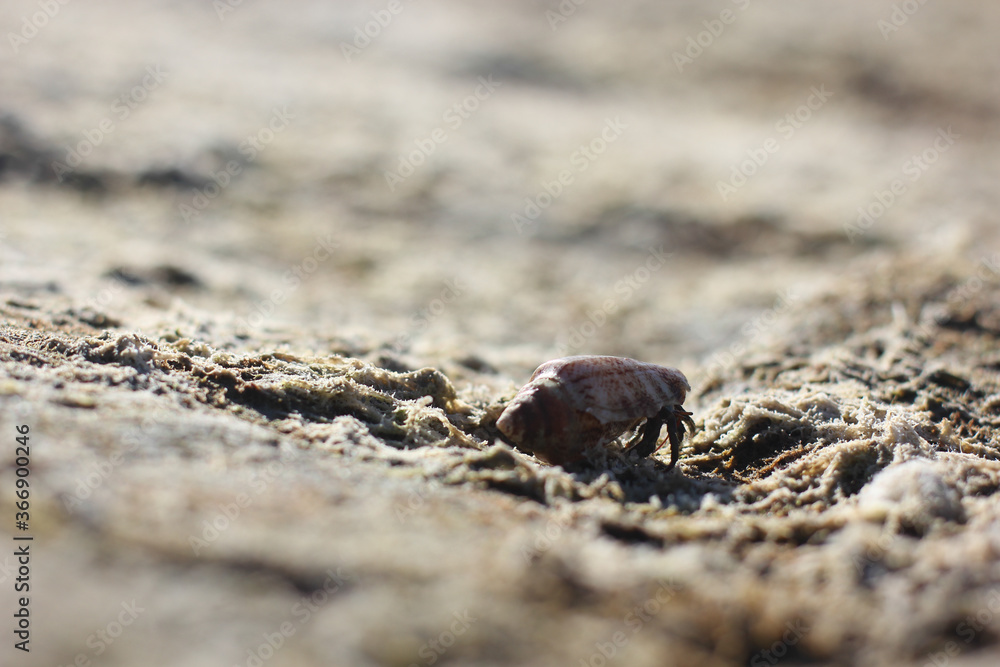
(645, 441)
(676, 421)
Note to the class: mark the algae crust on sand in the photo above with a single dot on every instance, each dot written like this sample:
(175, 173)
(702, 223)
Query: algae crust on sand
(841, 489)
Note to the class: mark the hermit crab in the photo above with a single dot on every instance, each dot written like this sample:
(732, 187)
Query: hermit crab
(575, 404)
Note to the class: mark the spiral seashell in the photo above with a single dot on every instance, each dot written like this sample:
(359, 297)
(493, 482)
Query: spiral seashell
(575, 404)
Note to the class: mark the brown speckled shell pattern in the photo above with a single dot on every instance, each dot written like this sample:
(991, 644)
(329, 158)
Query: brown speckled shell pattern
(570, 405)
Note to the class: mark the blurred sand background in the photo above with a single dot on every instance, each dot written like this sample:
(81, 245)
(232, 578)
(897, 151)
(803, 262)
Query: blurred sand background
(308, 250)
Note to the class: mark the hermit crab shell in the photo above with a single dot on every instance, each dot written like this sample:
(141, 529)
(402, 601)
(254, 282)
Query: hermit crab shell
(577, 403)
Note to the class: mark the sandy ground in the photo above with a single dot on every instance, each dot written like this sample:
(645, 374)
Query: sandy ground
(267, 280)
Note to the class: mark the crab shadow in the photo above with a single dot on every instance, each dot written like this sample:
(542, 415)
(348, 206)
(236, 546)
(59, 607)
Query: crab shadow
(642, 480)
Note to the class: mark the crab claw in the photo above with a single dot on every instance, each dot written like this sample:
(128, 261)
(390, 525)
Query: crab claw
(645, 443)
